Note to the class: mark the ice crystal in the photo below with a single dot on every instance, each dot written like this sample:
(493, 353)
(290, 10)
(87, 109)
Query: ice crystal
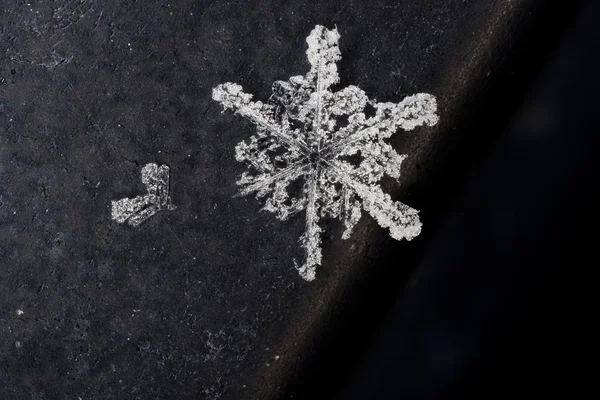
(139, 209)
(316, 150)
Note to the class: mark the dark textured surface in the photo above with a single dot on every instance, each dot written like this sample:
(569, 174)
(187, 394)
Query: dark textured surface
(199, 302)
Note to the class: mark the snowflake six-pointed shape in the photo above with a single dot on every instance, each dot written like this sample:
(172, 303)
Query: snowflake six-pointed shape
(318, 151)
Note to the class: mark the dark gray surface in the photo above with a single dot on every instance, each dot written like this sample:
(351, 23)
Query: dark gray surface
(199, 301)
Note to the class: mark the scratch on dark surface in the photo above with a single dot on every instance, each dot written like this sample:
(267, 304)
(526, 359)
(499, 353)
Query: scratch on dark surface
(22, 135)
(207, 109)
(207, 8)
(342, 8)
(70, 23)
(183, 246)
(37, 319)
(98, 20)
(57, 61)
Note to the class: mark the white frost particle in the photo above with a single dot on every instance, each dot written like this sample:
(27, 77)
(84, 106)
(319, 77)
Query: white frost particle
(315, 150)
(20, 312)
(139, 209)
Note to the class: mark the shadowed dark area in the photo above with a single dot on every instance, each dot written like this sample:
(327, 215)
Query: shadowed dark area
(491, 312)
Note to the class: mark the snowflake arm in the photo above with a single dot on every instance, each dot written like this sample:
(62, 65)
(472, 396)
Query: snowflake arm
(231, 96)
(262, 183)
(311, 239)
(402, 220)
(323, 53)
(413, 111)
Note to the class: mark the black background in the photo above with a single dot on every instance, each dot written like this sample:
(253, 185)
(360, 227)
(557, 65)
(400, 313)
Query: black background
(91, 91)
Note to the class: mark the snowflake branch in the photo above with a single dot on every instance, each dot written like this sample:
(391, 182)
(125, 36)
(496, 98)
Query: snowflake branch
(280, 202)
(263, 181)
(231, 96)
(413, 111)
(351, 212)
(378, 157)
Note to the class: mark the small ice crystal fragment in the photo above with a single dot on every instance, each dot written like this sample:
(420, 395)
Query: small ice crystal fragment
(139, 209)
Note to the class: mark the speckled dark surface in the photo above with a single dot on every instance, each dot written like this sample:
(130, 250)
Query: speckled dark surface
(202, 301)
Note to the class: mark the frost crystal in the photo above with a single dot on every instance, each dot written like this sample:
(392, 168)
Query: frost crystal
(317, 150)
(137, 210)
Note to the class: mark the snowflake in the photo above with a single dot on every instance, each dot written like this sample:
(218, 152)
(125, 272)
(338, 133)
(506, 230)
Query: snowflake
(323, 151)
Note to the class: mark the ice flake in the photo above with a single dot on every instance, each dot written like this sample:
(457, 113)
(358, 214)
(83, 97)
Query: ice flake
(139, 209)
(315, 150)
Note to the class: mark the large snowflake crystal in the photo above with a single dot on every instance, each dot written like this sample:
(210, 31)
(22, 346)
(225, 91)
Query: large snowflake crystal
(323, 152)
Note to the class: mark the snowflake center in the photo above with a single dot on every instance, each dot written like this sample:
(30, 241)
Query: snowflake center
(314, 157)
(317, 158)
